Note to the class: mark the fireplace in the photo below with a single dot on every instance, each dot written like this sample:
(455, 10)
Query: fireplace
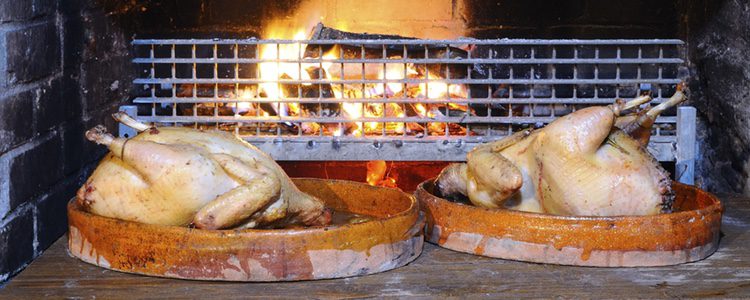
(343, 104)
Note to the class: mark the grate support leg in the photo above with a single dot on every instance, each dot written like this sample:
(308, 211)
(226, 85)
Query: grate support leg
(125, 131)
(685, 152)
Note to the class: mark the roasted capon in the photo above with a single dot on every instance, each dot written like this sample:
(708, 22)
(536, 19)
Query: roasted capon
(204, 178)
(591, 162)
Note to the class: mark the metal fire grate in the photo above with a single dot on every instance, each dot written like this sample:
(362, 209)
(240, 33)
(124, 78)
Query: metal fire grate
(494, 87)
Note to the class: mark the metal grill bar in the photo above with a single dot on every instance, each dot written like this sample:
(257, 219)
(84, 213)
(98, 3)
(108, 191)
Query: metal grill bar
(408, 81)
(468, 61)
(513, 42)
(531, 100)
(478, 120)
(374, 99)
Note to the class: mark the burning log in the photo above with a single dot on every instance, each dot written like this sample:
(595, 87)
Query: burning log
(424, 82)
(369, 71)
(391, 51)
(324, 110)
(292, 91)
(230, 91)
(322, 32)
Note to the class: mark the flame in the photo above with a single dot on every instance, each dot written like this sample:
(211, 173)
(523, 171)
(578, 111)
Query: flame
(350, 110)
(433, 128)
(331, 54)
(433, 90)
(375, 171)
(244, 94)
(273, 71)
(294, 26)
(422, 110)
(399, 127)
(339, 131)
(377, 174)
(294, 109)
(391, 72)
(353, 111)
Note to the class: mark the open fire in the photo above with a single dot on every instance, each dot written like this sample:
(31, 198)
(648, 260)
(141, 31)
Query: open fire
(394, 92)
(367, 91)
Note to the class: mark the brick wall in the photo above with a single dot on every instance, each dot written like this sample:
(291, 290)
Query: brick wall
(718, 39)
(63, 68)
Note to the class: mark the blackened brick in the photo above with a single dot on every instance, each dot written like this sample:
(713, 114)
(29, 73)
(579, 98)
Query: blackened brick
(52, 217)
(102, 39)
(50, 106)
(74, 7)
(75, 147)
(35, 171)
(77, 150)
(15, 120)
(98, 37)
(71, 96)
(73, 37)
(22, 10)
(534, 13)
(232, 12)
(625, 12)
(16, 243)
(571, 19)
(32, 52)
(99, 90)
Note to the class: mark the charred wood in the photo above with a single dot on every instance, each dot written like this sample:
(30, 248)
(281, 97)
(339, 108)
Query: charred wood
(385, 51)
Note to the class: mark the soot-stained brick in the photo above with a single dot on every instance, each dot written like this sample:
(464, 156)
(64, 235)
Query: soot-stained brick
(79, 151)
(52, 217)
(32, 52)
(721, 95)
(23, 10)
(50, 107)
(16, 120)
(17, 243)
(33, 172)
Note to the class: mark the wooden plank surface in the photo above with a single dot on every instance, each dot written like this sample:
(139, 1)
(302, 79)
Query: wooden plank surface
(437, 273)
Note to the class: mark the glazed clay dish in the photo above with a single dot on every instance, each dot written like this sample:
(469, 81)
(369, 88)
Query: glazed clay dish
(690, 233)
(389, 237)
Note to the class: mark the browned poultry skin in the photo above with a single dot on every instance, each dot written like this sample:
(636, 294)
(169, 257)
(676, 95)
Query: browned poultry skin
(179, 176)
(579, 164)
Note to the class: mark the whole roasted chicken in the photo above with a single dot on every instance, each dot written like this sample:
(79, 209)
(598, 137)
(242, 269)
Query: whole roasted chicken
(182, 176)
(590, 162)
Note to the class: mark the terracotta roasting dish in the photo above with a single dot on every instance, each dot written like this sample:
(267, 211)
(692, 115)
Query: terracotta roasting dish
(392, 238)
(690, 233)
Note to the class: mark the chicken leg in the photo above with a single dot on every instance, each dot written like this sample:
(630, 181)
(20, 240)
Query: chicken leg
(260, 187)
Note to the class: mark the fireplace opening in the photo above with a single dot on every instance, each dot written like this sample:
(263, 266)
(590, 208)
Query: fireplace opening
(384, 92)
